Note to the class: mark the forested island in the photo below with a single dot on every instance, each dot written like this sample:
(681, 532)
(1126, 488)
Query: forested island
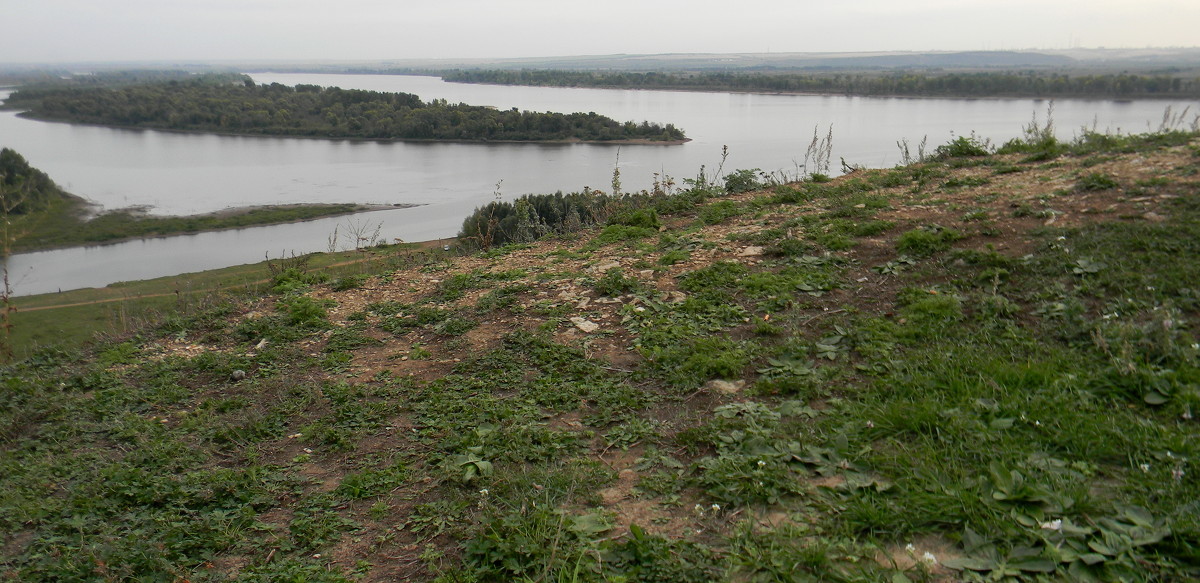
(1042, 84)
(236, 105)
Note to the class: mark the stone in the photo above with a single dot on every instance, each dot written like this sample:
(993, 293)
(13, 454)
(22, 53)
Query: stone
(584, 324)
(237, 375)
(725, 387)
(752, 251)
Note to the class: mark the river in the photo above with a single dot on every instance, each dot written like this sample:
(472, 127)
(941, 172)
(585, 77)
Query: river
(179, 173)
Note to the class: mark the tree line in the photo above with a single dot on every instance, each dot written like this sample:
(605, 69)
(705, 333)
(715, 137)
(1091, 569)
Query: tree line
(983, 84)
(244, 107)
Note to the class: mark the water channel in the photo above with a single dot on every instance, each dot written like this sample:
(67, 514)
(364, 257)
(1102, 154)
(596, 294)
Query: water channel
(178, 173)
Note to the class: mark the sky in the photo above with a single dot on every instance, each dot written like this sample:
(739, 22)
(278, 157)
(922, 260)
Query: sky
(48, 31)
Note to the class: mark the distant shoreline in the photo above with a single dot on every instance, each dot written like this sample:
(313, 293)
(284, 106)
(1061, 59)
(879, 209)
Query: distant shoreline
(836, 94)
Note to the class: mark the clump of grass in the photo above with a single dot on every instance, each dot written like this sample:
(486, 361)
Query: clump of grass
(926, 241)
(717, 212)
(1095, 181)
(614, 282)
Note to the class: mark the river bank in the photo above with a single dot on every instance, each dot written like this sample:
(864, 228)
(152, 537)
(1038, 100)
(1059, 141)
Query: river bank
(73, 222)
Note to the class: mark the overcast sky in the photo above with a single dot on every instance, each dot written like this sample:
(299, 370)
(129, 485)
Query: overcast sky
(156, 30)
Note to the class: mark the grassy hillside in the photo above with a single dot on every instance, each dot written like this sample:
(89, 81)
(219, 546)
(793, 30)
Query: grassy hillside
(975, 367)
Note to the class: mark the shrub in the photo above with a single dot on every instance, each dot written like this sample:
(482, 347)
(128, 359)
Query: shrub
(740, 181)
(963, 146)
(644, 218)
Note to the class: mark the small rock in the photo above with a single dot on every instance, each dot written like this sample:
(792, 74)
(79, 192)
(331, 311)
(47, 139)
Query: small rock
(605, 266)
(584, 324)
(237, 375)
(752, 251)
(1154, 217)
(647, 273)
(583, 303)
(725, 387)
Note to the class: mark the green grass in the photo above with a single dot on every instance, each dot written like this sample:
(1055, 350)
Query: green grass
(54, 320)
(923, 407)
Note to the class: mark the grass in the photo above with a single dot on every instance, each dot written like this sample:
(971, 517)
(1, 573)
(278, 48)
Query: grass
(71, 319)
(882, 399)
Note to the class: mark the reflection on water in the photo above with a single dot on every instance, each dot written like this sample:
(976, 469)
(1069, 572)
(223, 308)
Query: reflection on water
(177, 173)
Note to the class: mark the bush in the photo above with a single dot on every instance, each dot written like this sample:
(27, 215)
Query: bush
(740, 181)
(644, 218)
(963, 146)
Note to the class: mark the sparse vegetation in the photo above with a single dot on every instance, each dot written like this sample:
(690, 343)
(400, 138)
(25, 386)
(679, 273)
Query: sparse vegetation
(817, 382)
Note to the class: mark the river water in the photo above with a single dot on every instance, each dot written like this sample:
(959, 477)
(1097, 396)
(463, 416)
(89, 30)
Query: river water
(177, 173)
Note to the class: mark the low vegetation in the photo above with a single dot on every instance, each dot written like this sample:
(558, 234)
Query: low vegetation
(978, 366)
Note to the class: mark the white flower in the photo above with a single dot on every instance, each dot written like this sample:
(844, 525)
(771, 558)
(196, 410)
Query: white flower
(910, 548)
(1144, 467)
(317, 556)
(1055, 524)
(698, 509)
(716, 507)
(761, 463)
(870, 425)
(483, 492)
(929, 558)
(1177, 474)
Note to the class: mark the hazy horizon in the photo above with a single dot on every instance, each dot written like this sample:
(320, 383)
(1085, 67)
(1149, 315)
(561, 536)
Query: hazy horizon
(74, 31)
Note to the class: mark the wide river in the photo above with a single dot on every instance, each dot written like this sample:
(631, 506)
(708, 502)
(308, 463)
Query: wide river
(175, 173)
